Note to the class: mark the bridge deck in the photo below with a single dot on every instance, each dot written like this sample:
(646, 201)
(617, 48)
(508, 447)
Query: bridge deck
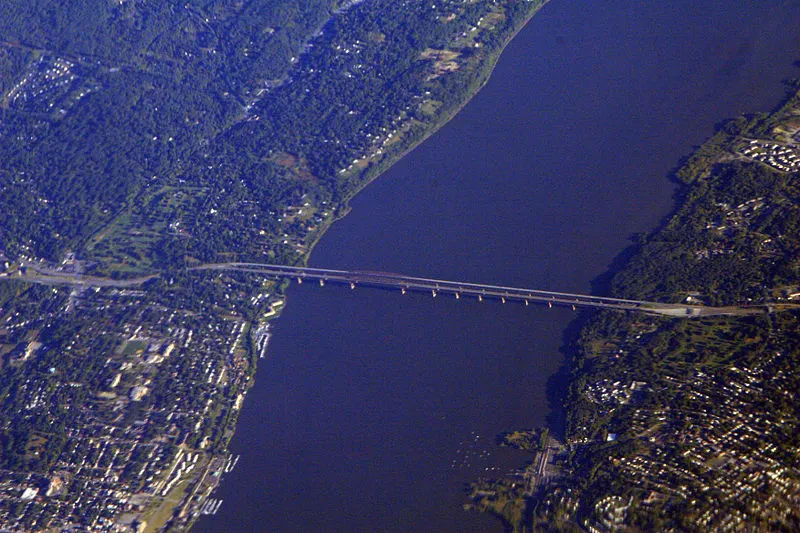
(476, 290)
(43, 275)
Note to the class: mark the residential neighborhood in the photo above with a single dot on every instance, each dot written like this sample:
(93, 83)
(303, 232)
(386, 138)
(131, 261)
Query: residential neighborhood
(142, 419)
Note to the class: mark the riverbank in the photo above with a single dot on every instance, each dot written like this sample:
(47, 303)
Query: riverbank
(652, 395)
(478, 74)
(343, 360)
(415, 138)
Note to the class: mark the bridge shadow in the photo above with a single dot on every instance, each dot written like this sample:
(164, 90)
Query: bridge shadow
(558, 385)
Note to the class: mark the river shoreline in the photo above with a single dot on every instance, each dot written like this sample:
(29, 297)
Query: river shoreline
(345, 251)
(579, 376)
(489, 64)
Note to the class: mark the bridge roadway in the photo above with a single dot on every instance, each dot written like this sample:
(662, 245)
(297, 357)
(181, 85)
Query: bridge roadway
(460, 289)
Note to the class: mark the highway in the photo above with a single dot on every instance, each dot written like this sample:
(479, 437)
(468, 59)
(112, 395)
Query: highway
(459, 289)
(387, 280)
(41, 275)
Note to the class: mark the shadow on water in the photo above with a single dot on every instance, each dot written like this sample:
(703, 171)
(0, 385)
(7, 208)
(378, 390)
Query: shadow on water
(558, 385)
(583, 118)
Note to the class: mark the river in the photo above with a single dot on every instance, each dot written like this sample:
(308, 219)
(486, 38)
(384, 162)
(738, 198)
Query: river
(373, 410)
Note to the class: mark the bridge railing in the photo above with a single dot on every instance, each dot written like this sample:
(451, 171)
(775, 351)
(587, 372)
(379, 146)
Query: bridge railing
(393, 280)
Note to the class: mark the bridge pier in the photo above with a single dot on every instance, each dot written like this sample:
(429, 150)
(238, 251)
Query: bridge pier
(42, 275)
(503, 293)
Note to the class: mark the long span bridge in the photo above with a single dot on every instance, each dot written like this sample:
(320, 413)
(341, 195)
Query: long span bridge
(459, 289)
(48, 276)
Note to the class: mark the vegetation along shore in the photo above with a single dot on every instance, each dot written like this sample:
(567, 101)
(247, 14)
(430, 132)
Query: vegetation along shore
(142, 139)
(686, 425)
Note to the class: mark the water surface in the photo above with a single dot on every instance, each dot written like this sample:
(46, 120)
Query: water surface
(373, 410)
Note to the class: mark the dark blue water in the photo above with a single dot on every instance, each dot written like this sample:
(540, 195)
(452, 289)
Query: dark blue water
(374, 409)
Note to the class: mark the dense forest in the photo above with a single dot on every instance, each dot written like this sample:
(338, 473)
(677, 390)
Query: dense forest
(245, 108)
(144, 138)
(95, 113)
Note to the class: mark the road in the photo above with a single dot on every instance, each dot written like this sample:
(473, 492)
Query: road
(477, 291)
(46, 276)
(435, 287)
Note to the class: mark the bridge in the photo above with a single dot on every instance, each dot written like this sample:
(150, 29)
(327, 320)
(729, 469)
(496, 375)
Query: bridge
(435, 287)
(477, 291)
